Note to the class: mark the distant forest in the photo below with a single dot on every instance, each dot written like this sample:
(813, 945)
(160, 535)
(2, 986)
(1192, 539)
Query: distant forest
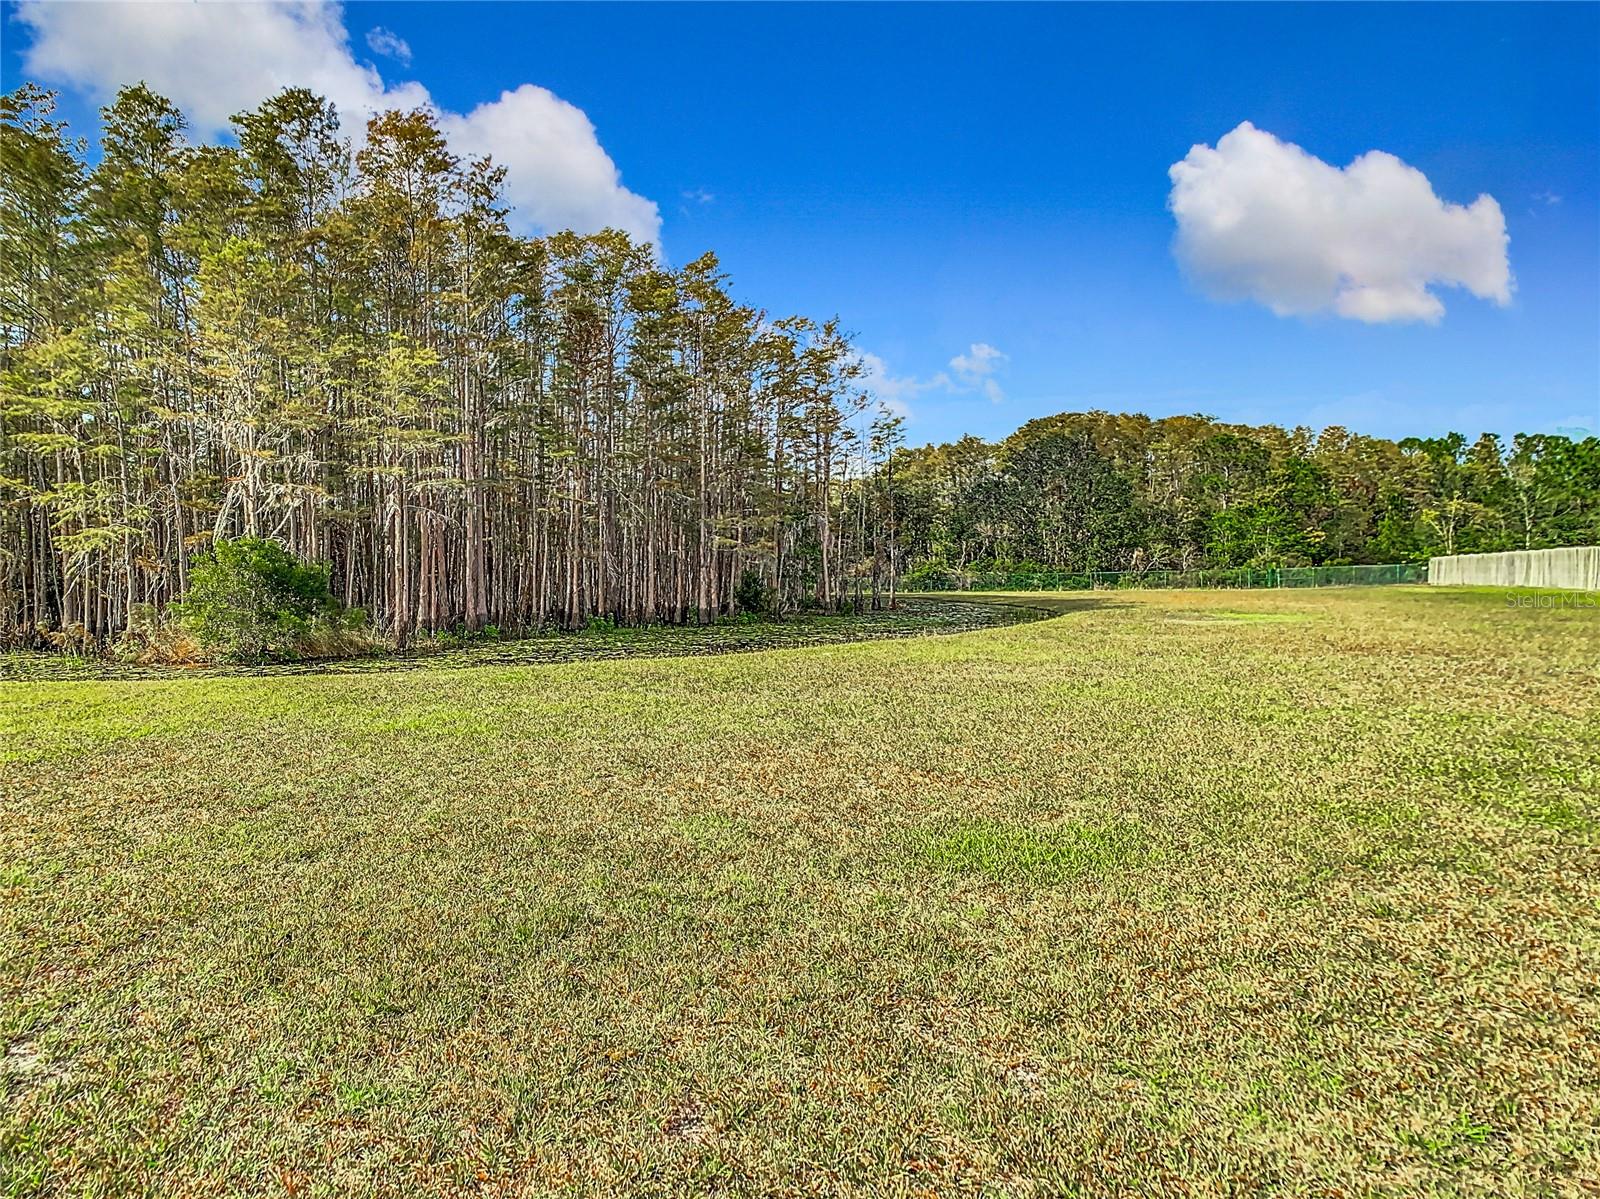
(1095, 491)
(346, 349)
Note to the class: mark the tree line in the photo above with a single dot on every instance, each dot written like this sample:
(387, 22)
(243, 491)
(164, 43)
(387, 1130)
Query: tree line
(1085, 492)
(346, 349)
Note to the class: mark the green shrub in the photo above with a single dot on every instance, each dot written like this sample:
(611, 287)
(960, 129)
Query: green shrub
(929, 576)
(752, 594)
(250, 598)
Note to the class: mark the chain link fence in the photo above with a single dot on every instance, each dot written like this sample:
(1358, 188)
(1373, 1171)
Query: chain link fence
(1106, 580)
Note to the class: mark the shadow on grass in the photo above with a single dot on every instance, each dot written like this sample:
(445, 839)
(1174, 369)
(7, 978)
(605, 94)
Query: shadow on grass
(1045, 603)
(918, 617)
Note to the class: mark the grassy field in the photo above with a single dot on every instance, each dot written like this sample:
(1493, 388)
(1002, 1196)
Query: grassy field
(1249, 893)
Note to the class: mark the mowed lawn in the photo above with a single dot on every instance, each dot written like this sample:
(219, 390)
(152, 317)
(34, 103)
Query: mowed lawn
(1240, 893)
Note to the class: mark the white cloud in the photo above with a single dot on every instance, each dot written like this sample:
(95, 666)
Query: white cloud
(215, 59)
(698, 195)
(969, 372)
(210, 59)
(558, 176)
(897, 391)
(976, 368)
(389, 44)
(1261, 219)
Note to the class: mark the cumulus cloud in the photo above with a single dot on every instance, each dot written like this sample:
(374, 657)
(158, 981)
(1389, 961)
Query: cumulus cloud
(1263, 220)
(210, 59)
(896, 391)
(215, 59)
(557, 174)
(389, 44)
(977, 367)
(969, 372)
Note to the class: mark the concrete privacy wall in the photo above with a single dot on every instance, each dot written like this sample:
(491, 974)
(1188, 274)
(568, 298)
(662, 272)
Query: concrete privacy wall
(1577, 567)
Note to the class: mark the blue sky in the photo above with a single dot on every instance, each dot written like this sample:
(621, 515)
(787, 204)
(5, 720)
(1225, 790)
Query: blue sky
(951, 176)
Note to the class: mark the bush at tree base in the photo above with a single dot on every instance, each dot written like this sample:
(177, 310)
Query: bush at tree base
(752, 594)
(250, 598)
